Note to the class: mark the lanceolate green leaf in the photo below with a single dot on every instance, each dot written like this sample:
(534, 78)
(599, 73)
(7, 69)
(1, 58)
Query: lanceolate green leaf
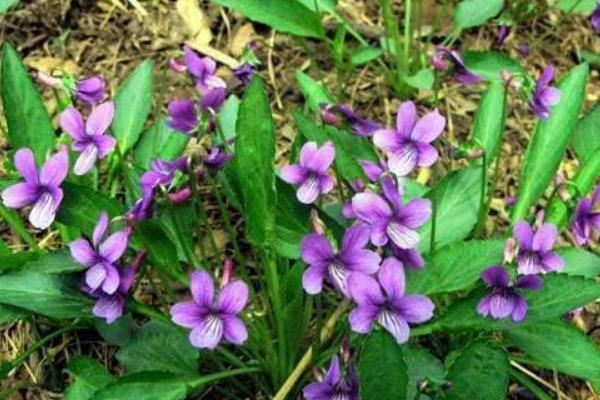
(490, 64)
(288, 16)
(490, 119)
(133, 103)
(421, 365)
(155, 385)
(470, 13)
(580, 262)
(576, 5)
(26, 117)
(556, 344)
(253, 164)
(159, 141)
(6, 4)
(89, 377)
(381, 369)
(314, 92)
(293, 221)
(161, 249)
(585, 140)
(549, 142)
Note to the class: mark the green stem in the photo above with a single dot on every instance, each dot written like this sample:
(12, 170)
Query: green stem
(407, 34)
(392, 33)
(147, 311)
(424, 329)
(17, 225)
(274, 289)
(434, 210)
(197, 382)
(483, 210)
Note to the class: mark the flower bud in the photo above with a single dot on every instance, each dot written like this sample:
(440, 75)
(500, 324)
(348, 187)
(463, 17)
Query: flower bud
(317, 224)
(180, 196)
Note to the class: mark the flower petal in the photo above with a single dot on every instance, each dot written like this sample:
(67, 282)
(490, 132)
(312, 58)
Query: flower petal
(293, 174)
(391, 278)
(370, 207)
(334, 372)
(388, 140)
(307, 152)
(524, 234)
(356, 237)
(86, 160)
(406, 118)
(233, 297)
(109, 307)
(415, 213)
(208, 333)
(234, 329)
(321, 159)
(71, 121)
(312, 279)
(308, 191)
(520, 309)
(114, 246)
(495, 276)
(315, 249)
(392, 193)
(24, 161)
(395, 325)
(428, 128)
(544, 238)
(105, 144)
(20, 194)
(427, 155)
(203, 288)
(501, 306)
(55, 169)
(404, 160)
(529, 282)
(362, 317)
(187, 314)
(552, 261)
(100, 228)
(95, 275)
(365, 290)
(111, 283)
(483, 308)
(415, 308)
(402, 236)
(82, 252)
(44, 210)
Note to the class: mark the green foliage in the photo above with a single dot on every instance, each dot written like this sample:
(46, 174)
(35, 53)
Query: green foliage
(479, 372)
(580, 262)
(421, 365)
(381, 370)
(159, 141)
(471, 13)
(314, 92)
(145, 385)
(89, 377)
(161, 250)
(585, 140)
(576, 5)
(490, 64)
(26, 117)
(6, 4)
(293, 221)
(289, 16)
(490, 119)
(133, 103)
(364, 55)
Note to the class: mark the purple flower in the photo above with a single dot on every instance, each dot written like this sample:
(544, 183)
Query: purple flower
(183, 115)
(408, 257)
(89, 138)
(391, 308)
(505, 299)
(213, 100)
(586, 217)
(334, 386)
(244, 72)
(212, 319)
(162, 173)
(91, 90)
(324, 262)
(311, 173)
(461, 73)
(544, 95)
(595, 18)
(362, 126)
(501, 35)
(388, 219)
(100, 256)
(141, 209)
(372, 170)
(203, 69)
(42, 190)
(216, 158)
(535, 255)
(409, 144)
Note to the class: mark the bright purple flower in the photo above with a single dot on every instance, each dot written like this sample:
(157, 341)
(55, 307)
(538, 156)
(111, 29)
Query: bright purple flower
(311, 173)
(329, 114)
(586, 217)
(505, 299)
(535, 255)
(89, 138)
(91, 90)
(372, 170)
(390, 220)
(203, 69)
(101, 255)
(244, 72)
(595, 18)
(408, 257)
(362, 126)
(141, 209)
(544, 95)
(391, 308)
(212, 319)
(216, 158)
(334, 386)
(461, 74)
(42, 190)
(162, 172)
(183, 115)
(409, 144)
(324, 262)
(213, 100)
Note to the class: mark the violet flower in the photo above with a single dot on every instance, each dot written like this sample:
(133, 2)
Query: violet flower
(324, 262)
(441, 59)
(101, 255)
(505, 299)
(40, 189)
(334, 385)
(212, 319)
(391, 308)
(311, 173)
(162, 173)
(595, 18)
(90, 90)
(203, 69)
(586, 217)
(535, 255)
(90, 139)
(544, 95)
(213, 100)
(216, 158)
(408, 257)
(244, 73)
(183, 116)
(372, 170)
(409, 144)
(362, 126)
(390, 220)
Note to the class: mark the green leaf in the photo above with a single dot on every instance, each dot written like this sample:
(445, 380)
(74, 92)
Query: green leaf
(253, 164)
(145, 385)
(583, 6)
(321, 5)
(26, 117)
(585, 140)
(81, 207)
(479, 372)
(10, 314)
(159, 347)
(365, 54)
(55, 296)
(14, 261)
(293, 221)
(470, 13)
(179, 223)
(423, 79)
(457, 207)
(420, 365)
(560, 294)
(314, 92)
(556, 344)
(227, 118)
(288, 16)
(490, 118)
(381, 369)
(56, 262)
(133, 103)
(159, 141)
(6, 4)
(456, 267)
(89, 377)
(161, 250)
(549, 142)
(490, 64)
(580, 262)
(118, 332)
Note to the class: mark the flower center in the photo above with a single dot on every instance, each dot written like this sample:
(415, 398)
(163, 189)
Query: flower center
(213, 326)
(530, 262)
(402, 236)
(338, 275)
(340, 395)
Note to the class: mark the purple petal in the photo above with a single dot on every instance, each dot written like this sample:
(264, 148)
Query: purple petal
(86, 160)
(95, 275)
(90, 90)
(111, 283)
(392, 192)
(109, 307)
(550, 96)
(501, 306)
(326, 184)
(395, 325)
(401, 235)
(365, 290)
(198, 66)
(409, 257)
(370, 207)
(114, 246)
(404, 160)
(495, 276)
(544, 238)
(44, 210)
(105, 144)
(208, 333)
(202, 288)
(388, 140)
(356, 237)
(427, 155)
(24, 161)
(529, 282)
(520, 309)
(20, 194)
(100, 118)
(293, 174)
(334, 373)
(213, 99)
(428, 128)
(55, 169)
(315, 249)
(415, 308)
(308, 191)
(372, 170)
(552, 261)
(312, 279)
(365, 261)
(362, 317)
(406, 118)
(321, 159)
(234, 329)
(183, 115)
(547, 76)
(82, 252)
(100, 228)
(391, 278)
(187, 314)
(483, 308)
(378, 233)
(307, 152)
(524, 234)
(415, 213)
(233, 298)
(71, 121)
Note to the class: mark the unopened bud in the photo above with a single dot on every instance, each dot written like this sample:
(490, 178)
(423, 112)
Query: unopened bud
(228, 268)
(346, 350)
(316, 222)
(539, 218)
(510, 250)
(176, 66)
(563, 193)
(180, 196)
(474, 154)
(329, 116)
(506, 75)
(348, 211)
(48, 80)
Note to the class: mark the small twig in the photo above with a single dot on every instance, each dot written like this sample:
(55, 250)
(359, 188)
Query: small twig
(271, 70)
(539, 380)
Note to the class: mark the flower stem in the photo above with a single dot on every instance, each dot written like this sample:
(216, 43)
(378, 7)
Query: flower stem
(17, 225)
